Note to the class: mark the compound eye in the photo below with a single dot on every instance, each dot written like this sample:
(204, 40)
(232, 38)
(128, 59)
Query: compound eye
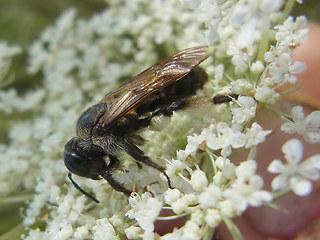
(74, 163)
(77, 162)
(80, 166)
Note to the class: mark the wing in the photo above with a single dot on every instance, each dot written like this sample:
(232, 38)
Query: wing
(168, 71)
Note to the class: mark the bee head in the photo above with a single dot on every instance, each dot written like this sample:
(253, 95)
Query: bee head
(84, 162)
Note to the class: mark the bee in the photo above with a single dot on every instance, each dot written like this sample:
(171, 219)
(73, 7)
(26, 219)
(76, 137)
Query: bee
(112, 126)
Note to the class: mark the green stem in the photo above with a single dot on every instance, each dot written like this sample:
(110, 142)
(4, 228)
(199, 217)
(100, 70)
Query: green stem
(275, 111)
(14, 233)
(280, 194)
(264, 45)
(288, 8)
(292, 90)
(212, 161)
(233, 229)
(209, 231)
(253, 153)
(17, 199)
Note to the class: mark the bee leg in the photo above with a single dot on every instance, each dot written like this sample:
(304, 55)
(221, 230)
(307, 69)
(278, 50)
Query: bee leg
(107, 175)
(194, 102)
(137, 154)
(182, 104)
(218, 99)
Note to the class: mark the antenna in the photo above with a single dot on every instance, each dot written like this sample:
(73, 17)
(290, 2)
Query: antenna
(81, 190)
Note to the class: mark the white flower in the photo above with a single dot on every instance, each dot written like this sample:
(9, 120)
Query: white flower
(34, 235)
(218, 73)
(255, 135)
(34, 209)
(144, 210)
(132, 232)
(190, 3)
(198, 180)
(257, 67)
(289, 35)
(213, 217)
(7, 52)
(191, 231)
(174, 167)
(196, 140)
(210, 196)
(246, 169)
(241, 86)
(81, 232)
(246, 190)
(72, 208)
(193, 143)
(104, 230)
(291, 32)
(225, 139)
(8, 100)
(240, 60)
(227, 208)
(59, 228)
(227, 170)
(293, 174)
(244, 110)
(182, 204)
(174, 235)
(266, 94)
(308, 127)
(282, 70)
(171, 195)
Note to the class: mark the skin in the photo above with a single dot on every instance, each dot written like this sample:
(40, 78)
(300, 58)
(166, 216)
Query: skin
(302, 221)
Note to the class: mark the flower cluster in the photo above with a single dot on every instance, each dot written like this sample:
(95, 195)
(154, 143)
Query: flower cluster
(210, 152)
(6, 55)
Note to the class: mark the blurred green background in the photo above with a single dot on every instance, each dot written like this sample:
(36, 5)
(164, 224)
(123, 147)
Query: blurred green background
(20, 23)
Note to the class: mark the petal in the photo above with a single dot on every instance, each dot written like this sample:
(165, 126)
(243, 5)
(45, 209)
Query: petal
(288, 127)
(238, 140)
(315, 161)
(300, 186)
(213, 143)
(297, 114)
(313, 119)
(276, 166)
(297, 67)
(259, 197)
(246, 169)
(226, 151)
(198, 180)
(307, 171)
(312, 136)
(279, 182)
(293, 151)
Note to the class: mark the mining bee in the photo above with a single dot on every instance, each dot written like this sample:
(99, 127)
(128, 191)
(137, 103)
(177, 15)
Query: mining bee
(112, 125)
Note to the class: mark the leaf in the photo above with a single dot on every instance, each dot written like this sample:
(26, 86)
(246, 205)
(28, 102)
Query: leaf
(233, 229)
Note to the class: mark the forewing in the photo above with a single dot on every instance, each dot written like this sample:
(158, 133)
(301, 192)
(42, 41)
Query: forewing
(129, 96)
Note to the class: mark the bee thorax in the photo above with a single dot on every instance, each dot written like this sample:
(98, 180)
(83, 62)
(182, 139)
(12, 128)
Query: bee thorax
(89, 119)
(110, 144)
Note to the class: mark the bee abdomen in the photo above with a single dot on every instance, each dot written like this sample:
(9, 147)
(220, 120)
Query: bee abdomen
(173, 95)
